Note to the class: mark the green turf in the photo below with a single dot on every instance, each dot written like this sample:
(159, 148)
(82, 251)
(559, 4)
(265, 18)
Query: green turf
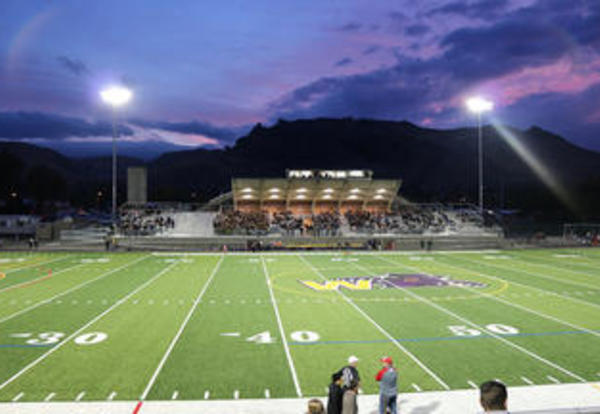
(123, 326)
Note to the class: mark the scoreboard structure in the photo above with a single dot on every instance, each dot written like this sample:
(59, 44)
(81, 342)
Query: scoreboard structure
(315, 191)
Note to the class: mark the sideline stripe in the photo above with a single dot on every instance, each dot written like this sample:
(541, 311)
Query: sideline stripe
(180, 331)
(40, 279)
(376, 325)
(72, 289)
(84, 327)
(281, 331)
(137, 407)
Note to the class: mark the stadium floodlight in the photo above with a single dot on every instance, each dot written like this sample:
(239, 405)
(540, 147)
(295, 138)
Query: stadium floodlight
(479, 105)
(381, 191)
(247, 190)
(115, 96)
(274, 190)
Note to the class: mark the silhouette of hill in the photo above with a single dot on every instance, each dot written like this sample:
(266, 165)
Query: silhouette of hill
(435, 165)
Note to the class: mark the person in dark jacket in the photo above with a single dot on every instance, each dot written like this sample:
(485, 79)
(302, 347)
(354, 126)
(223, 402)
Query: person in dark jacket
(336, 393)
(350, 372)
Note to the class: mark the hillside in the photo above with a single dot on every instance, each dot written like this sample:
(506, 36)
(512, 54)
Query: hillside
(435, 165)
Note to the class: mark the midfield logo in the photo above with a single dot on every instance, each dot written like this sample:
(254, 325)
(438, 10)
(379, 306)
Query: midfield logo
(388, 281)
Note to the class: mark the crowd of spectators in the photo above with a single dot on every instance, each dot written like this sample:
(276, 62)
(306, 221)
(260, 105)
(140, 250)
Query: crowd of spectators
(235, 222)
(415, 220)
(325, 224)
(287, 223)
(144, 222)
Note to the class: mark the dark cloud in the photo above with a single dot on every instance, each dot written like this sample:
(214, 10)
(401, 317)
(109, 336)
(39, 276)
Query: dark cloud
(484, 9)
(343, 62)
(22, 125)
(371, 49)
(224, 135)
(416, 30)
(75, 66)
(350, 27)
(481, 53)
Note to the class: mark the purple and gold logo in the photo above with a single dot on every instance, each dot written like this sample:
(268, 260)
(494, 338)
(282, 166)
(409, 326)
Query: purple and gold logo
(388, 281)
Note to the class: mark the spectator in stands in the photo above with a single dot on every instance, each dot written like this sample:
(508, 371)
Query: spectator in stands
(492, 397)
(349, 403)
(388, 389)
(315, 406)
(336, 393)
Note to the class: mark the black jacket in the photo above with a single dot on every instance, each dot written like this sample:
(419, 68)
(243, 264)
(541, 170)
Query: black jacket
(334, 400)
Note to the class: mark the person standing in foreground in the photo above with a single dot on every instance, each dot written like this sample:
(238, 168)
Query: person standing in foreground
(349, 372)
(388, 388)
(493, 396)
(349, 403)
(336, 393)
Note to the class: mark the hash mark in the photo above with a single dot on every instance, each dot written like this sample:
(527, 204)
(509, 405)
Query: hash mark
(18, 396)
(206, 395)
(175, 395)
(49, 396)
(416, 387)
(554, 380)
(112, 396)
(267, 393)
(527, 381)
(472, 384)
(236, 394)
(80, 396)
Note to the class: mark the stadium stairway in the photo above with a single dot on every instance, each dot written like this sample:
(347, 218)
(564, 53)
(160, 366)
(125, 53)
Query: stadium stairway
(192, 224)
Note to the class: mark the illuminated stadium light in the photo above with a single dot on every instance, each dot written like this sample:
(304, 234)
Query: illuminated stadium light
(381, 191)
(479, 105)
(247, 190)
(327, 197)
(379, 197)
(353, 197)
(247, 197)
(355, 190)
(300, 197)
(328, 190)
(116, 95)
(273, 197)
(301, 190)
(274, 190)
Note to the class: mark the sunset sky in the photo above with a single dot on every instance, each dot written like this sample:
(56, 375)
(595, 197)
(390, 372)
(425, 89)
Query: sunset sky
(203, 72)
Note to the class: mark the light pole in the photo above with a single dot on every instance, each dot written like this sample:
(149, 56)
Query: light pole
(115, 96)
(479, 105)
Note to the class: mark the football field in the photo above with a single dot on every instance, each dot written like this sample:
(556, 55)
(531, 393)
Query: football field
(168, 326)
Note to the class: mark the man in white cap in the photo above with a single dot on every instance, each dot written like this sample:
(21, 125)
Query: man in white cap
(349, 372)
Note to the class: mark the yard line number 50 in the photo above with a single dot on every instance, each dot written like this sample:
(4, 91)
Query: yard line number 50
(497, 328)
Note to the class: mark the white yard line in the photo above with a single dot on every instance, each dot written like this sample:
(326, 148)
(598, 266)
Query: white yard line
(206, 395)
(490, 333)
(74, 288)
(18, 397)
(18, 269)
(42, 277)
(527, 381)
(506, 302)
(472, 384)
(478, 272)
(236, 395)
(381, 329)
(281, 330)
(80, 396)
(175, 395)
(84, 327)
(49, 397)
(555, 279)
(180, 331)
(267, 393)
(555, 267)
(416, 387)
(112, 396)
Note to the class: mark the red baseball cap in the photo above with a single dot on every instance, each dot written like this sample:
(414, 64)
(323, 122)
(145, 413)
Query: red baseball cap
(387, 360)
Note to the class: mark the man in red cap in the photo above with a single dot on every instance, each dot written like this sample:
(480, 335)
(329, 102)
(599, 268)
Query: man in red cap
(388, 389)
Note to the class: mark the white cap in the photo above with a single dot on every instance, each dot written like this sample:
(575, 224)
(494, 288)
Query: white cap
(352, 359)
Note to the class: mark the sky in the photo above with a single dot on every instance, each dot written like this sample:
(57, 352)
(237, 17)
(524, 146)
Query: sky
(203, 72)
